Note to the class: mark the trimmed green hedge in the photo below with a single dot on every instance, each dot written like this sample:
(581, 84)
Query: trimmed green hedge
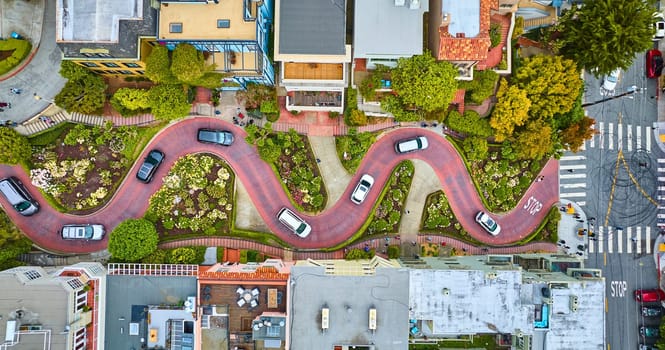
(21, 50)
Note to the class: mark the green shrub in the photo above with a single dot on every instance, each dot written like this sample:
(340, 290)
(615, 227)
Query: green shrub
(252, 256)
(470, 123)
(21, 49)
(243, 256)
(393, 252)
(495, 34)
(481, 87)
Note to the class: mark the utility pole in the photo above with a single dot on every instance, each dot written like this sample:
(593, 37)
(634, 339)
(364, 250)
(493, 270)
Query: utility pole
(632, 90)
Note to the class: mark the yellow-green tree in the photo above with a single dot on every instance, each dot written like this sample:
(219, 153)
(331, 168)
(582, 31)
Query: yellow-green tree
(535, 142)
(552, 84)
(511, 110)
(423, 82)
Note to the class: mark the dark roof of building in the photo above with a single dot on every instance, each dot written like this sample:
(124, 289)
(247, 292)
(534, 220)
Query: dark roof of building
(127, 298)
(314, 27)
(128, 33)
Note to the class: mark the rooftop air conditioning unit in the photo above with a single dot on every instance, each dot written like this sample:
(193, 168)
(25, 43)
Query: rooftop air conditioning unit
(325, 321)
(414, 5)
(400, 2)
(372, 319)
(573, 303)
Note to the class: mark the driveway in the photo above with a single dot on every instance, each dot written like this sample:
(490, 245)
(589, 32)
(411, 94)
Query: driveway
(333, 226)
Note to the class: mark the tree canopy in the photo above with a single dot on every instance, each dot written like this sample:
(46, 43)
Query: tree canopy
(535, 142)
(168, 101)
(15, 147)
(84, 92)
(133, 240)
(574, 136)
(422, 82)
(187, 64)
(130, 101)
(158, 66)
(551, 83)
(604, 35)
(12, 243)
(511, 110)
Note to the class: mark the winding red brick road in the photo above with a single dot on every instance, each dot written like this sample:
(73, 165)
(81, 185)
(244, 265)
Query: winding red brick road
(329, 228)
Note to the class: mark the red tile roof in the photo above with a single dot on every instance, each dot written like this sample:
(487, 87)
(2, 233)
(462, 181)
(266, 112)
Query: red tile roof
(495, 54)
(453, 48)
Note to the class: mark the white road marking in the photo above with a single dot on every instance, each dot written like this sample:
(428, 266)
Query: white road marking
(647, 239)
(629, 240)
(610, 136)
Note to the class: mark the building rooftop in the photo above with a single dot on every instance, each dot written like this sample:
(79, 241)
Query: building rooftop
(464, 29)
(112, 28)
(386, 30)
(23, 300)
(349, 300)
(311, 27)
(201, 21)
(128, 298)
(469, 301)
(581, 329)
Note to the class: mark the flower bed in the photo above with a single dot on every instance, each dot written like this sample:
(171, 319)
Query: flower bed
(196, 198)
(388, 213)
(84, 165)
(438, 218)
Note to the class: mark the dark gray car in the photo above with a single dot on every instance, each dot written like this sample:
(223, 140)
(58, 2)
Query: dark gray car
(150, 165)
(220, 137)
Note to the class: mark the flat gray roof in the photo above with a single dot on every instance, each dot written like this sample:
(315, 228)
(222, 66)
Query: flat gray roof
(464, 16)
(582, 329)
(349, 299)
(127, 298)
(382, 29)
(469, 301)
(45, 303)
(315, 27)
(114, 32)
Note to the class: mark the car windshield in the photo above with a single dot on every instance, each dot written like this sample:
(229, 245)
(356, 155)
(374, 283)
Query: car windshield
(490, 222)
(301, 228)
(22, 206)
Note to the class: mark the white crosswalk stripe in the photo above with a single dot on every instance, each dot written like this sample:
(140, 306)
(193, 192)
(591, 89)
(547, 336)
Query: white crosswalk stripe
(626, 137)
(621, 240)
(572, 178)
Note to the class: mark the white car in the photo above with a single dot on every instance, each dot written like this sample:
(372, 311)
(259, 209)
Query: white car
(88, 232)
(659, 26)
(362, 188)
(610, 81)
(488, 223)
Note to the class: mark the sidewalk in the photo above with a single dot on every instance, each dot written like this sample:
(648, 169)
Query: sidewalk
(572, 238)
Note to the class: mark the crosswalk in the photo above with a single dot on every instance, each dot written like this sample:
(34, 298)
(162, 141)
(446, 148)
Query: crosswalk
(572, 178)
(661, 193)
(629, 240)
(615, 136)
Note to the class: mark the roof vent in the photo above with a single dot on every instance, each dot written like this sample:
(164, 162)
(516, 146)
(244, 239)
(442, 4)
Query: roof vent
(414, 5)
(400, 2)
(445, 291)
(573, 303)
(325, 320)
(372, 319)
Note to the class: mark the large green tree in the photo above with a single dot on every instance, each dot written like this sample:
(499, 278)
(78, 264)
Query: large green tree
(84, 95)
(158, 66)
(72, 71)
(420, 81)
(535, 142)
(132, 99)
(15, 147)
(133, 239)
(552, 83)
(511, 110)
(187, 64)
(168, 101)
(604, 35)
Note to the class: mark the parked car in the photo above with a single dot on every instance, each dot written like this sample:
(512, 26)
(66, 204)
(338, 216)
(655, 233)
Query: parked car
(651, 311)
(659, 26)
(294, 223)
(411, 145)
(611, 80)
(18, 196)
(649, 295)
(362, 188)
(654, 63)
(649, 332)
(647, 347)
(94, 232)
(488, 223)
(149, 166)
(219, 137)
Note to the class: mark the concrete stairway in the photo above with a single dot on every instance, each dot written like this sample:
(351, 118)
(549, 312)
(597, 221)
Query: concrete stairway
(37, 125)
(87, 119)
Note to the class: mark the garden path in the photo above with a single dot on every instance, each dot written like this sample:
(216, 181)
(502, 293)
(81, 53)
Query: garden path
(424, 182)
(330, 228)
(335, 177)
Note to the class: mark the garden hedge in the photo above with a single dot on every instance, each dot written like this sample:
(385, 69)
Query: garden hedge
(21, 50)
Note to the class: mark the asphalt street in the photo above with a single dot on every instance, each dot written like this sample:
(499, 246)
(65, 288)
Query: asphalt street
(615, 180)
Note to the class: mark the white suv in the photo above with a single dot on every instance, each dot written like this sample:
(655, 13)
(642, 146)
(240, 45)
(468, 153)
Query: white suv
(294, 223)
(410, 145)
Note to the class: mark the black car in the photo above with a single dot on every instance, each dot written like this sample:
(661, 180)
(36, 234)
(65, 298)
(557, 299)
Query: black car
(219, 137)
(150, 165)
(651, 311)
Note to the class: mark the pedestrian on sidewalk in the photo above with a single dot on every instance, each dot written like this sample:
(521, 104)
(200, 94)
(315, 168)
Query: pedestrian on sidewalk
(15, 91)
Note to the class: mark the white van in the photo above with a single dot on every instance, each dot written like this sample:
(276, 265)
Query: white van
(294, 223)
(410, 145)
(18, 196)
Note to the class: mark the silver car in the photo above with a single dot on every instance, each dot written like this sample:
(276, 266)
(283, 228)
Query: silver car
(93, 232)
